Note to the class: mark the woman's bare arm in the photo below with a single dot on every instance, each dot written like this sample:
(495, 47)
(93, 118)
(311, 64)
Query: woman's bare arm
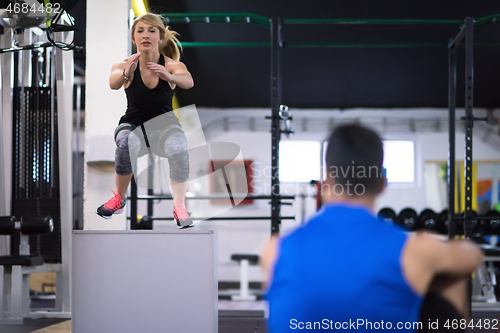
(117, 79)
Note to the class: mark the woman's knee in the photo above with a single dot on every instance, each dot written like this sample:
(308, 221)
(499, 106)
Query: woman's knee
(123, 165)
(175, 144)
(126, 153)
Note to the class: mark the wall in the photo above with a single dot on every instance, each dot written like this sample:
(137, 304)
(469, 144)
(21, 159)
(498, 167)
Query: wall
(107, 43)
(432, 147)
(250, 236)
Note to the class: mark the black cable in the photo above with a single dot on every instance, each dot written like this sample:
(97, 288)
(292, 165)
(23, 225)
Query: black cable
(55, 27)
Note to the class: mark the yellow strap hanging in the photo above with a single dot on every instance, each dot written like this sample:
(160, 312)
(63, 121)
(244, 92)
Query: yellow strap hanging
(140, 7)
(45, 3)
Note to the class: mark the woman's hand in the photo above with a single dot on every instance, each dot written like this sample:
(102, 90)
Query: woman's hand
(131, 64)
(174, 72)
(121, 71)
(161, 71)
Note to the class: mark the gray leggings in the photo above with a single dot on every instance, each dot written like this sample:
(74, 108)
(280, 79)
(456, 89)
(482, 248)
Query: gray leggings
(166, 142)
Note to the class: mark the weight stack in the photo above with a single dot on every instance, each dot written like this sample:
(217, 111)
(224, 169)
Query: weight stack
(35, 166)
(78, 178)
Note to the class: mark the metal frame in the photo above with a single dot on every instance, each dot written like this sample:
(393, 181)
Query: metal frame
(467, 32)
(276, 44)
(150, 198)
(17, 289)
(452, 93)
(276, 99)
(64, 77)
(469, 122)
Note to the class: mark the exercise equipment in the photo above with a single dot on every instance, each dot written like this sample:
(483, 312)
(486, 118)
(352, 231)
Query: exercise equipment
(145, 223)
(474, 222)
(408, 218)
(27, 225)
(387, 214)
(428, 220)
(484, 280)
(491, 223)
(244, 260)
(15, 269)
(36, 155)
(145, 281)
(443, 222)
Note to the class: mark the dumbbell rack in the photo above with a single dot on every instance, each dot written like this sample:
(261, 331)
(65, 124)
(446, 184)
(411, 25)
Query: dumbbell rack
(484, 279)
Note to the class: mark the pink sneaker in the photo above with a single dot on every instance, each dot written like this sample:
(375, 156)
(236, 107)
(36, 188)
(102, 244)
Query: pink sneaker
(181, 216)
(115, 205)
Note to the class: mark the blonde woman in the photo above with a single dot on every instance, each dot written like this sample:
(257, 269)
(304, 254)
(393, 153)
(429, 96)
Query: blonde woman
(149, 78)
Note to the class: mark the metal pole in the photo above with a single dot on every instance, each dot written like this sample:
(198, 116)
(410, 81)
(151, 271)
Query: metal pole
(226, 218)
(52, 116)
(214, 196)
(133, 204)
(276, 48)
(469, 122)
(150, 187)
(78, 109)
(452, 97)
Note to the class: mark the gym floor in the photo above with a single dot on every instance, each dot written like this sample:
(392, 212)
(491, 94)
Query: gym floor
(234, 317)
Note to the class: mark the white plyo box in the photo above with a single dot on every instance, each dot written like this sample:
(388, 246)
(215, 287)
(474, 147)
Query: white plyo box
(144, 281)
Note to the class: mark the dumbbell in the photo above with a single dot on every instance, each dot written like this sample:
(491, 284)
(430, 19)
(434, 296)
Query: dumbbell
(459, 226)
(428, 220)
(443, 222)
(408, 218)
(387, 214)
(28, 225)
(476, 225)
(492, 225)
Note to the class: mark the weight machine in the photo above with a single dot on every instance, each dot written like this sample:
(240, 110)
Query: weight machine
(36, 153)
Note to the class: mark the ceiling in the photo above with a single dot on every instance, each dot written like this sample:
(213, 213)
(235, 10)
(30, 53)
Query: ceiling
(333, 77)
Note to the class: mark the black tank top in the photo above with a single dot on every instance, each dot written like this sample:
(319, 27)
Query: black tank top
(143, 103)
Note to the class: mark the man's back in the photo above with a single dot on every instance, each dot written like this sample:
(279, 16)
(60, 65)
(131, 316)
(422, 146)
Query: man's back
(343, 267)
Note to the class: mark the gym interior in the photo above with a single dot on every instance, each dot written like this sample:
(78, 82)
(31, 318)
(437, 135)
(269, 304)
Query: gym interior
(271, 81)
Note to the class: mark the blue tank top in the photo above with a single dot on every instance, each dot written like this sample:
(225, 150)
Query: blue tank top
(341, 268)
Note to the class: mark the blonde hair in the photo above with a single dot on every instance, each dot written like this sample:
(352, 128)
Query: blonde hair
(170, 44)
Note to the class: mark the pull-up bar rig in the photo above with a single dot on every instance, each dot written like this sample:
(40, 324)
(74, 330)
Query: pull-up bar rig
(276, 45)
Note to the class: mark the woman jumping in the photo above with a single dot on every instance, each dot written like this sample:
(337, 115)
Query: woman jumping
(149, 78)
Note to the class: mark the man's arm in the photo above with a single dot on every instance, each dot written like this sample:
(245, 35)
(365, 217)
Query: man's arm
(456, 257)
(426, 256)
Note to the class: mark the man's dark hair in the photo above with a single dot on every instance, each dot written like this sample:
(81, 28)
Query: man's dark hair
(354, 158)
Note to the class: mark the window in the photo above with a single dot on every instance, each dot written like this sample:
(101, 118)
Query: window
(299, 161)
(399, 160)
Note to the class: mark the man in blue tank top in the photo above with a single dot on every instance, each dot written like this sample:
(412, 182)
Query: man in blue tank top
(347, 270)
